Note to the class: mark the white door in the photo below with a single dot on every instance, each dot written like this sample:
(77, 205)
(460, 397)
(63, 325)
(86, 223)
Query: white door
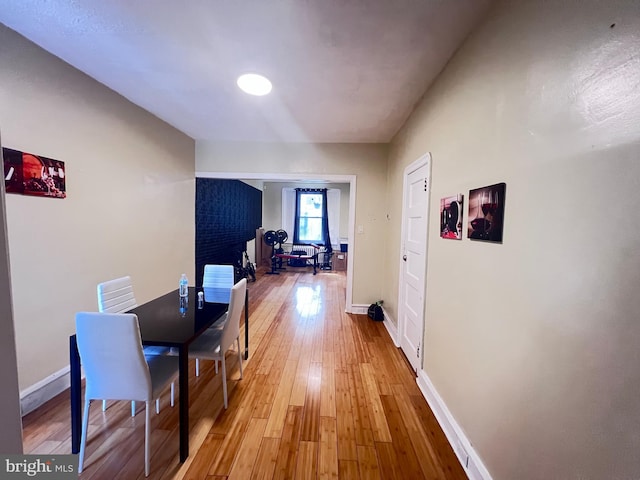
(413, 262)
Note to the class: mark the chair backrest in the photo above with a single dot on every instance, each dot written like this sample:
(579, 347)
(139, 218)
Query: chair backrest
(217, 295)
(111, 354)
(231, 328)
(116, 296)
(218, 276)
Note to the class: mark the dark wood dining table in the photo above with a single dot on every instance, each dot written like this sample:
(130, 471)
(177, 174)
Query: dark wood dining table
(165, 321)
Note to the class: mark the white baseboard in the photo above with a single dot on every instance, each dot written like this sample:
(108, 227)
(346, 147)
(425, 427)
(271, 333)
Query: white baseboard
(359, 309)
(44, 390)
(461, 445)
(392, 328)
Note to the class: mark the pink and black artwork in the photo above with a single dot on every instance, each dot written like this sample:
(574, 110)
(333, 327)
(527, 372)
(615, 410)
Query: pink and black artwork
(451, 217)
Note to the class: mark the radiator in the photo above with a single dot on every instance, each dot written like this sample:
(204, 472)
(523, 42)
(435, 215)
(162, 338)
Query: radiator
(307, 249)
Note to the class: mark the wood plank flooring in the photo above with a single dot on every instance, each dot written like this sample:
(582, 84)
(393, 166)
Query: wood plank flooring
(325, 394)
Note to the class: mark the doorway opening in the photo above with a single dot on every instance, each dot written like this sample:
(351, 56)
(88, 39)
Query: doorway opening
(256, 178)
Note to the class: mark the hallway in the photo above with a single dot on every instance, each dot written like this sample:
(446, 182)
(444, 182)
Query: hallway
(324, 395)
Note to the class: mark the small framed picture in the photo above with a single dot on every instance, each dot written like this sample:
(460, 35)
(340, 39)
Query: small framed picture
(485, 220)
(451, 217)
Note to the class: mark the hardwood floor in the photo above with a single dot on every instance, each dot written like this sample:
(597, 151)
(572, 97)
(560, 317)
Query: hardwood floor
(325, 394)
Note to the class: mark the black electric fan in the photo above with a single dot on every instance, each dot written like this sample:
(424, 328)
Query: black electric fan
(273, 238)
(282, 237)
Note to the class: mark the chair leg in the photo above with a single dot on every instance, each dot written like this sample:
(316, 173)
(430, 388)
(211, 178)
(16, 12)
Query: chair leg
(197, 367)
(173, 393)
(104, 405)
(158, 406)
(215, 362)
(224, 382)
(147, 434)
(83, 438)
(133, 408)
(239, 356)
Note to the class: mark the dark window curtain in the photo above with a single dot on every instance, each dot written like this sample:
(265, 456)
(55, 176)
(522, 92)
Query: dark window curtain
(326, 239)
(296, 220)
(325, 221)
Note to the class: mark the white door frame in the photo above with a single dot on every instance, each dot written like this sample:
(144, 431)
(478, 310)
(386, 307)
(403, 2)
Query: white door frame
(292, 177)
(420, 162)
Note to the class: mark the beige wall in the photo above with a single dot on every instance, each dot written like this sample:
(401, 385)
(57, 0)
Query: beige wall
(534, 344)
(272, 205)
(366, 161)
(129, 208)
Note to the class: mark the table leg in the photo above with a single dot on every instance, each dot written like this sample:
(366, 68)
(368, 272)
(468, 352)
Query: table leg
(246, 325)
(183, 381)
(76, 394)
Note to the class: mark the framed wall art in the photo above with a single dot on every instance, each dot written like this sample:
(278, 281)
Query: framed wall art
(451, 217)
(485, 220)
(29, 174)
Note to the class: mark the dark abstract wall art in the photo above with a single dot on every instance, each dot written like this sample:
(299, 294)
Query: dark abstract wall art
(486, 213)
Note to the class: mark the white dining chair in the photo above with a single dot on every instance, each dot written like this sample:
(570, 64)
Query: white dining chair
(116, 296)
(116, 368)
(213, 344)
(218, 276)
(217, 282)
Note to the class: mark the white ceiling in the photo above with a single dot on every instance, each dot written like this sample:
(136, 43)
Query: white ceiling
(342, 70)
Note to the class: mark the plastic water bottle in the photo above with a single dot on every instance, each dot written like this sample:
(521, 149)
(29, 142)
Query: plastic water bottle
(184, 304)
(184, 285)
(200, 300)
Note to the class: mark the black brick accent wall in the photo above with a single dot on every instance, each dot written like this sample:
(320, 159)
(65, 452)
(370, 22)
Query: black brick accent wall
(228, 212)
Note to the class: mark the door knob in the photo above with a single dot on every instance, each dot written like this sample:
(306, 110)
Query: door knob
(404, 257)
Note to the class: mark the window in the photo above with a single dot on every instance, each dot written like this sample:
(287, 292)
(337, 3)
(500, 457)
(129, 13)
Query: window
(310, 218)
(333, 210)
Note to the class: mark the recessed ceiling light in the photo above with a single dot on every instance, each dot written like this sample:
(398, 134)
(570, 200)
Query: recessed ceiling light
(254, 84)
